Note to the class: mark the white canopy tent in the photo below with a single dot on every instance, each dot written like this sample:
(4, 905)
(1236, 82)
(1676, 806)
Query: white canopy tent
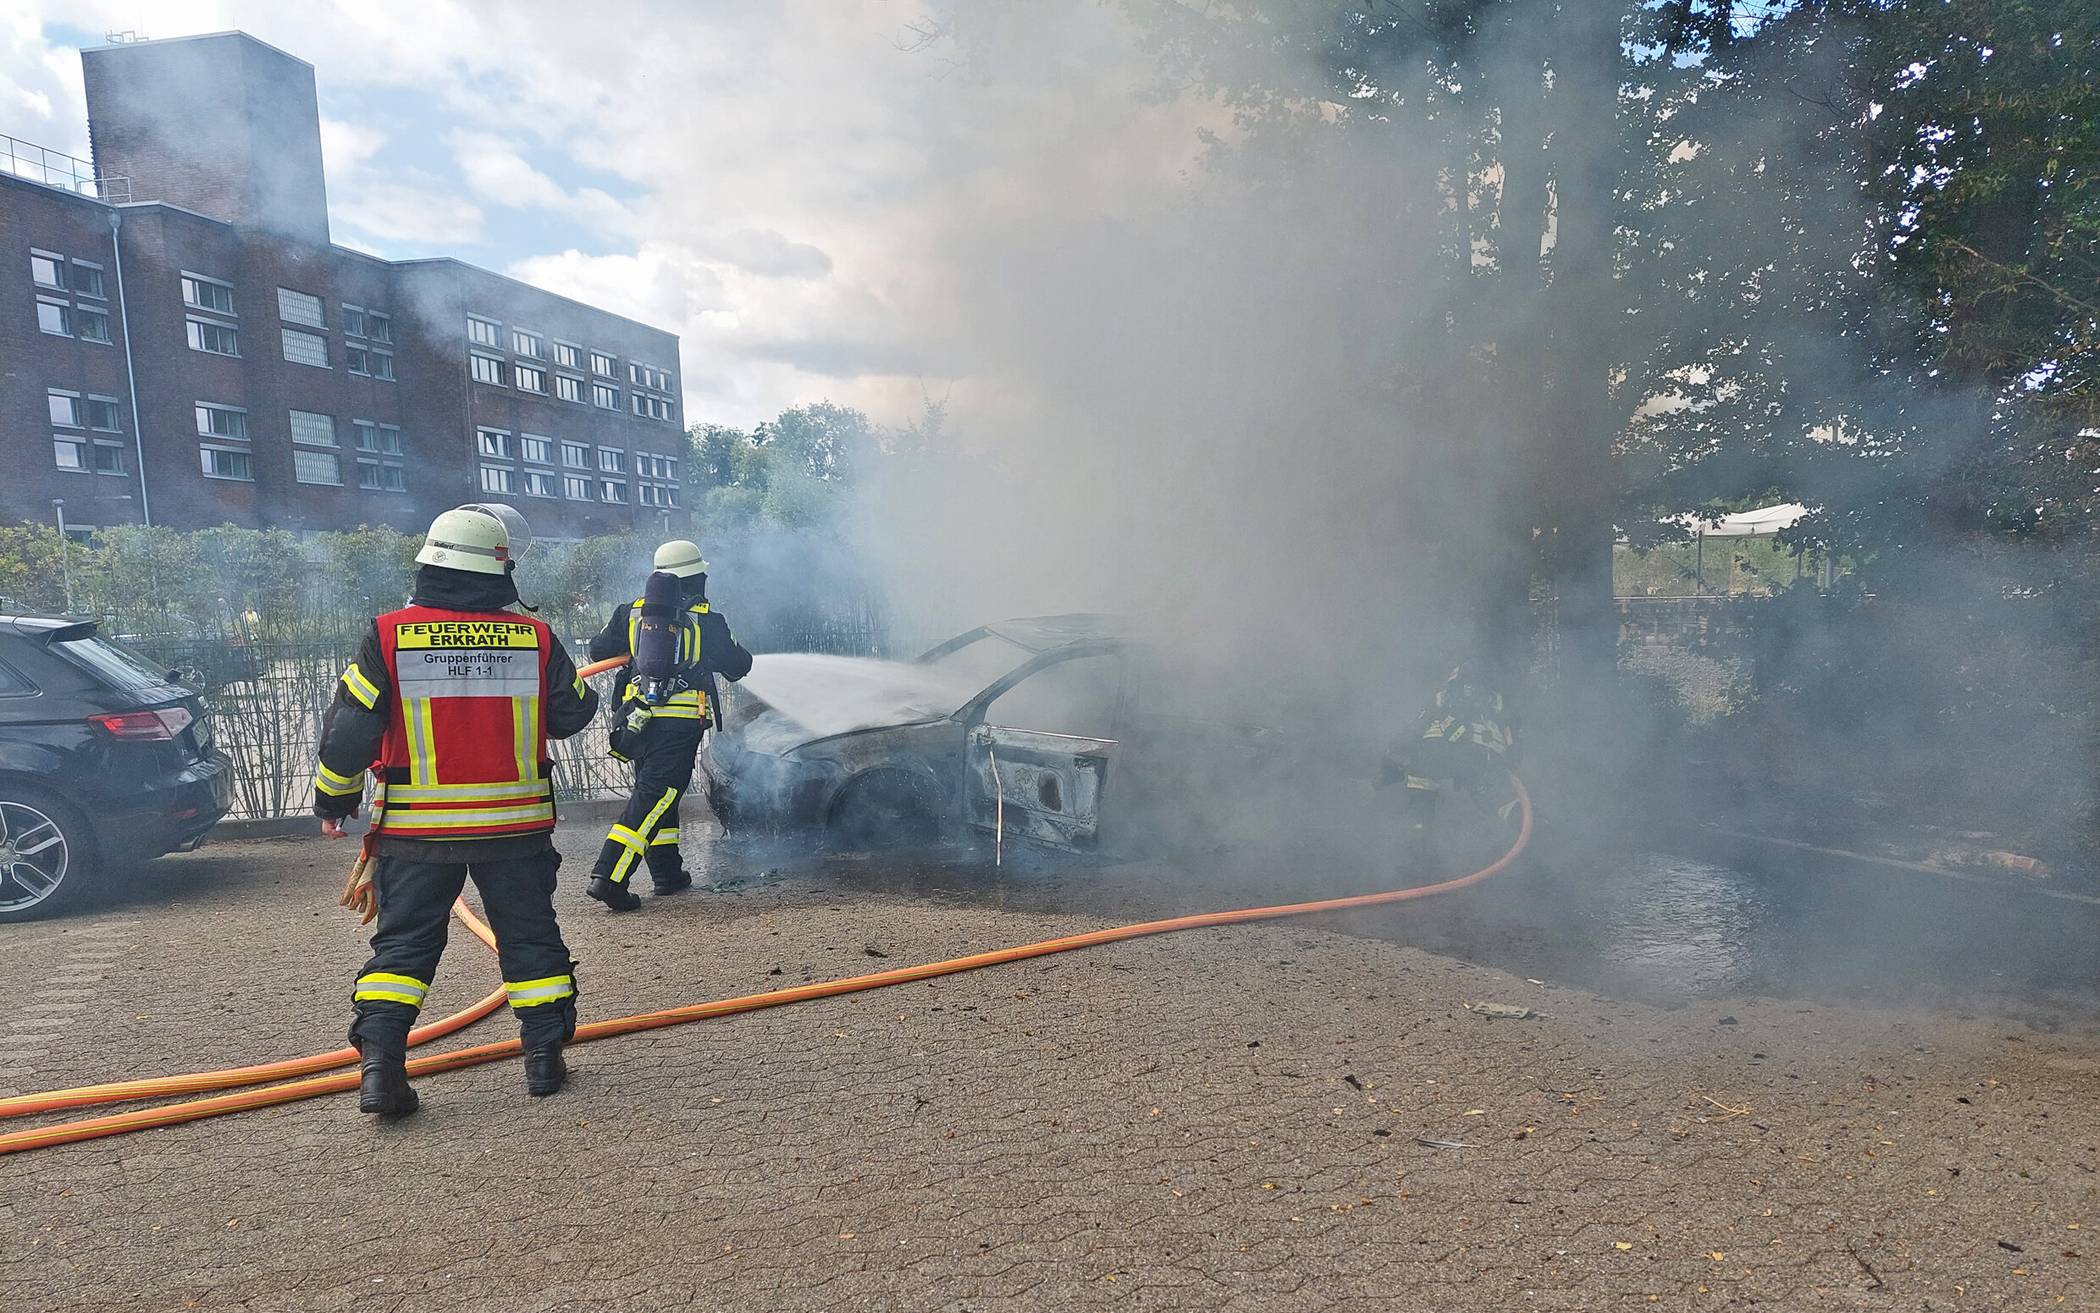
(1763, 522)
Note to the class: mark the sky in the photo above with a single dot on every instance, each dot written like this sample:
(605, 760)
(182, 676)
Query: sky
(773, 180)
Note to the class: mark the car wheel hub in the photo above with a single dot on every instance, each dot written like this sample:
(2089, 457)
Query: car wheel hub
(34, 856)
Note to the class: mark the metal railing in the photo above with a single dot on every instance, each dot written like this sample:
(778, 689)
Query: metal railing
(55, 168)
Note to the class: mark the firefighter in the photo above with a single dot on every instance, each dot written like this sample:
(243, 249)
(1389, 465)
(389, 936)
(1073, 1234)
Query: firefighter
(450, 702)
(662, 737)
(1464, 739)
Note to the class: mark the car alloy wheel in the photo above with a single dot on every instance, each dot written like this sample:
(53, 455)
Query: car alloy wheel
(34, 856)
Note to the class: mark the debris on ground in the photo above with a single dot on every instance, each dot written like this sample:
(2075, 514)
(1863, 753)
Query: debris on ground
(1501, 1011)
(1427, 1143)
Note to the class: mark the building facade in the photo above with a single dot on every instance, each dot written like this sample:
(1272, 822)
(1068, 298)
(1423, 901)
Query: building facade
(182, 345)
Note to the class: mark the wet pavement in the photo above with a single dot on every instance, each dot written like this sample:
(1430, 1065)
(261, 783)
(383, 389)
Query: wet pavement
(1731, 1095)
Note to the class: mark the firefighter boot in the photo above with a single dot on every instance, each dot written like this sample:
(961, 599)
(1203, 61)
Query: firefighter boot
(545, 1070)
(384, 1087)
(674, 884)
(618, 897)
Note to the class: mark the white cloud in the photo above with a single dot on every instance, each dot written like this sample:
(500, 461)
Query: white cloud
(499, 175)
(346, 148)
(422, 211)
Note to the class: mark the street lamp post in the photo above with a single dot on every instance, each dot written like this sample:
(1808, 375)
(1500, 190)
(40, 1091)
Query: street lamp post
(65, 551)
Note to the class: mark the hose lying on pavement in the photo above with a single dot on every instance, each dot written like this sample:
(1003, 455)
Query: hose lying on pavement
(123, 1091)
(88, 1096)
(174, 1114)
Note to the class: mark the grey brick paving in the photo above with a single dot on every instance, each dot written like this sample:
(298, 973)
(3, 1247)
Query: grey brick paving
(1219, 1120)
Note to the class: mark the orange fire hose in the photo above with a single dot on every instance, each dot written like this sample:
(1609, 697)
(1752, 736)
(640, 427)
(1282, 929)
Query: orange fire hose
(174, 1114)
(123, 1091)
(88, 1096)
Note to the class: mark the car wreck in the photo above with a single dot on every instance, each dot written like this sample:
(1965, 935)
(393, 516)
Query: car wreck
(1035, 729)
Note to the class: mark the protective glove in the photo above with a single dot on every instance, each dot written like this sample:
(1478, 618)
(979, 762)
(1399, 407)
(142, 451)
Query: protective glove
(359, 895)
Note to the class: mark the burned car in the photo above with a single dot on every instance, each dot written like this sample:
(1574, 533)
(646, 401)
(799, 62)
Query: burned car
(1034, 728)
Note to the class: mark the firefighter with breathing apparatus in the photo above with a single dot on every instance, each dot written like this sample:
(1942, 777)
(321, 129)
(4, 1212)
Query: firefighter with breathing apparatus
(666, 696)
(1464, 739)
(451, 702)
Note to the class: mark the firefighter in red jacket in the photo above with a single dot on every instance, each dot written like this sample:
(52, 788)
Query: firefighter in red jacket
(450, 703)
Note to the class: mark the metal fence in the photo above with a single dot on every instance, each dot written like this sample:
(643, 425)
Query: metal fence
(266, 700)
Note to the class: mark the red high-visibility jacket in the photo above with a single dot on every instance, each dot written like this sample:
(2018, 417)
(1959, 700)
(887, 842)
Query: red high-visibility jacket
(465, 750)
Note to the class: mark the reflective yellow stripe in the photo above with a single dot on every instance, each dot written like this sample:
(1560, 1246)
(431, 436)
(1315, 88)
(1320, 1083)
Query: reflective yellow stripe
(388, 987)
(579, 688)
(364, 690)
(459, 818)
(334, 785)
(422, 757)
(625, 837)
(521, 737)
(667, 835)
(532, 993)
(534, 788)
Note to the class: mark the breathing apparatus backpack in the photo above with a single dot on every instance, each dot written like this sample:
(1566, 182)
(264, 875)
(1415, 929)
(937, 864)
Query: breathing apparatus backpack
(659, 633)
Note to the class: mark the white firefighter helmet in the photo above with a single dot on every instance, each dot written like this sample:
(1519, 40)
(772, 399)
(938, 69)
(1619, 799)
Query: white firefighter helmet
(680, 556)
(513, 524)
(467, 538)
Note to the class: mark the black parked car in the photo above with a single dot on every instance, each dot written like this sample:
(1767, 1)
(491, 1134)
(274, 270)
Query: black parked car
(104, 759)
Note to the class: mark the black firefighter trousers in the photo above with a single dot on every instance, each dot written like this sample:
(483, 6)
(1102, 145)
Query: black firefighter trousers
(647, 831)
(415, 912)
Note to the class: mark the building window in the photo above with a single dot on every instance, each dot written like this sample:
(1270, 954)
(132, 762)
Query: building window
(226, 463)
(605, 397)
(353, 320)
(201, 293)
(103, 415)
(355, 358)
(612, 460)
(498, 478)
(484, 332)
(539, 483)
(568, 355)
(91, 323)
(47, 270)
(383, 366)
(527, 344)
(651, 407)
(576, 455)
(567, 388)
(651, 466)
(495, 444)
(70, 453)
(602, 364)
(575, 487)
(108, 457)
(612, 491)
(379, 327)
(536, 449)
(214, 421)
(52, 318)
(65, 408)
(305, 348)
(218, 339)
(381, 476)
(487, 369)
(379, 439)
(299, 308)
(647, 376)
(656, 494)
(87, 280)
(529, 378)
(313, 428)
(317, 467)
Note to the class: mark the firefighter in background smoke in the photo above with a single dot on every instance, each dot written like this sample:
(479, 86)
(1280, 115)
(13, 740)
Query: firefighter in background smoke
(451, 700)
(665, 698)
(1464, 739)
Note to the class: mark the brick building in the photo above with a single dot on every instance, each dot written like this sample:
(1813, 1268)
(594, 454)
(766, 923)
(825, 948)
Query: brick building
(182, 343)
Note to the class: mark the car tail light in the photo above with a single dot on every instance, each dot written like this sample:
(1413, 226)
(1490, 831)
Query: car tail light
(145, 726)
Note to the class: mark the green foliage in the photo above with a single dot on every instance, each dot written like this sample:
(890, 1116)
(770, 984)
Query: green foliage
(794, 470)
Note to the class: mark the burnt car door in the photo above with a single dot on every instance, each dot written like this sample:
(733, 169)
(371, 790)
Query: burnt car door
(1037, 755)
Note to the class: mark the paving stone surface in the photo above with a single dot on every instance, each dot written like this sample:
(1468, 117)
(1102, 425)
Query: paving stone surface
(1226, 1119)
